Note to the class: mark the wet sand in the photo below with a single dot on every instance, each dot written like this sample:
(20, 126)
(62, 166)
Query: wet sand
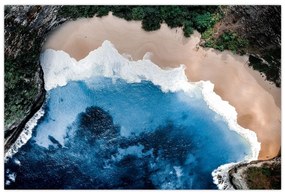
(256, 101)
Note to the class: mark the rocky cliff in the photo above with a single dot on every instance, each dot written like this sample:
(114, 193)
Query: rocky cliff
(26, 28)
(261, 26)
(257, 175)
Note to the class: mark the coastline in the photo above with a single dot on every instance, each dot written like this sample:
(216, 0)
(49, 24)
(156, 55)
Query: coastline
(22, 132)
(234, 81)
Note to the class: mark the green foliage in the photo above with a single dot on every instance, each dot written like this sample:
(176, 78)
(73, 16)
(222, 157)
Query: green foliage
(217, 16)
(69, 11)
(78, 11)
(188, 17)
(20, 90)
(174, 16)
(123, 12)
(266, 171)
(188, 28)
(103, 11)
(152, 18)
(203, 22)
(207, 34)
(150, 24)
(209, 43)
(226, 41)
(232, 41)
(264, 177)
(138, 13)
(20, 81)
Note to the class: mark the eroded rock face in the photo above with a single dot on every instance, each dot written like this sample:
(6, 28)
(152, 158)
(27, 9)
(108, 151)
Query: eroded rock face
(26, 28)
(261, 25)
(23, 21)
(257, 175)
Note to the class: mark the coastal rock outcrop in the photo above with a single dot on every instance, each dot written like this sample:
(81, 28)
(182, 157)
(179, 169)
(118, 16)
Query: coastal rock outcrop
(261, 26)
(244, 176)
(26, 28)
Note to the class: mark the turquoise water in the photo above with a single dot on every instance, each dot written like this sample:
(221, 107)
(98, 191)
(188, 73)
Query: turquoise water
(105, 133)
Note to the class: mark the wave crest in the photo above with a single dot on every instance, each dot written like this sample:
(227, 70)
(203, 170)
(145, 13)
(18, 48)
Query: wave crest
(25, 135)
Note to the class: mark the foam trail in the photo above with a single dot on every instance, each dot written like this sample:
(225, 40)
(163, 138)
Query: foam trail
(228, 112)
(59, 68)
(25, 135)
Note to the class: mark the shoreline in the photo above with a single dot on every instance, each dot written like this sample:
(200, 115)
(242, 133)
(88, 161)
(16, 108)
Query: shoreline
(234, 80)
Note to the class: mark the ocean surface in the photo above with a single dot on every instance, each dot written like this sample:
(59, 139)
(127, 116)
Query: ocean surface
(112, 123)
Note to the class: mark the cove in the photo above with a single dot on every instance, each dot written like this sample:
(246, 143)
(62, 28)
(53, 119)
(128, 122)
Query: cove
(118, 124)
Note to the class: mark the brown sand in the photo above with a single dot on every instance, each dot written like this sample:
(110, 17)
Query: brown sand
(256, 101)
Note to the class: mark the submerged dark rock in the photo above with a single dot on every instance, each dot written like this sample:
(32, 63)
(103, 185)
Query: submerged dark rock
(95, 124)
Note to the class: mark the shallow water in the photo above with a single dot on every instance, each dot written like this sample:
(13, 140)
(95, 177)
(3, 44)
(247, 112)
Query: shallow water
(105, 133)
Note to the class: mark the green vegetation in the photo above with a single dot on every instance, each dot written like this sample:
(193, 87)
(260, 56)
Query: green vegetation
(82, 11)
(226, 41)
(203, 21)
(188, 28)
(20, 91)
(20, 80)
(122, 12)
(152, 18)
(138, 13)
(174, 16)
(200, 18)
(264, 177)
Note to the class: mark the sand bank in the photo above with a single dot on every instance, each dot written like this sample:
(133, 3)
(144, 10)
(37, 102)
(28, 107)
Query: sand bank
(256, 101)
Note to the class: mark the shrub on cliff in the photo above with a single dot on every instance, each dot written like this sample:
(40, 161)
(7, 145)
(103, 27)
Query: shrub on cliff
(203, 21)
(174, 16)
(188, 28)
(152, 18)
(122, 12)
(138, 13)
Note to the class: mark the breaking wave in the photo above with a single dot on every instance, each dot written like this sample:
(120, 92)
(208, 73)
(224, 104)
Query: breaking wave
(25, 135)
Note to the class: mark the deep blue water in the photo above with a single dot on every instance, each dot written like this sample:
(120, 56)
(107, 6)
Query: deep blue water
(115, 135)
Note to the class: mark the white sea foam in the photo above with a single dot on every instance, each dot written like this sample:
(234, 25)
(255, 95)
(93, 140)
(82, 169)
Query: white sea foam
(8, 182)
(25, 135)
(221, 176)
(131, 150)
(11, 177)
(59, 68)
(17, 162)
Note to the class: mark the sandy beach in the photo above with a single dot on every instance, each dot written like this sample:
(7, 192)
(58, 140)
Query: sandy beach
(256, 101)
